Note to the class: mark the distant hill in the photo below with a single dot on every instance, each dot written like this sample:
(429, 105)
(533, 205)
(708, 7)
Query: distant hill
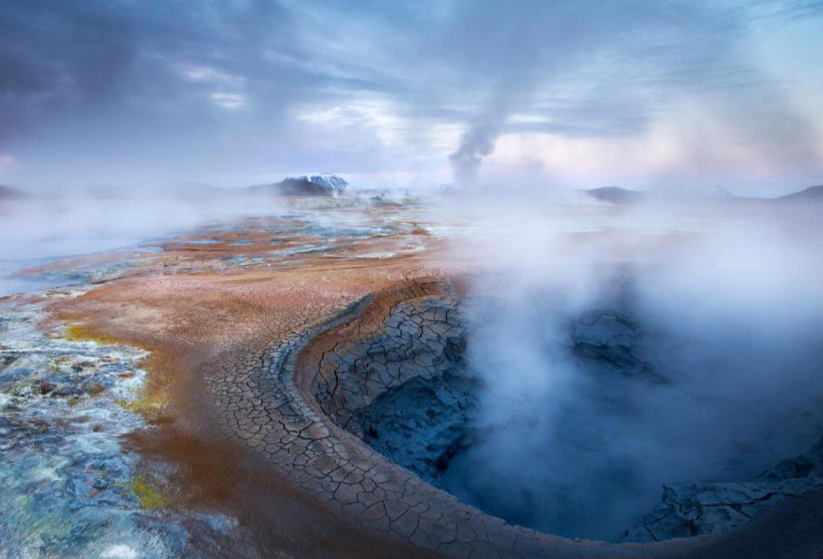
(328, 180)
(306, 185)
(623, 196)
(9, 193)
(615, 195)
(813, 193)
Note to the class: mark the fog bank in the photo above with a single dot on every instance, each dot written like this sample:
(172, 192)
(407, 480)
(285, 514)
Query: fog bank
(39, 228)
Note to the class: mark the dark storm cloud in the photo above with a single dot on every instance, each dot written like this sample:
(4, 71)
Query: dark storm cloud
(84, 50)
(63, 53)
(198, 87)
(58, 56)
(160, 77)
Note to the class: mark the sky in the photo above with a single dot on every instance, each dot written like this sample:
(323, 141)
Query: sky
(638, 93)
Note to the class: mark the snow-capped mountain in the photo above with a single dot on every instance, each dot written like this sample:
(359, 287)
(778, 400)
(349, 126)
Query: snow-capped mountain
(306, 185)
(338, 185)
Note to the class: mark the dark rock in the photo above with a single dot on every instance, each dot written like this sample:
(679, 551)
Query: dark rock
(713, 508)
(614, 341)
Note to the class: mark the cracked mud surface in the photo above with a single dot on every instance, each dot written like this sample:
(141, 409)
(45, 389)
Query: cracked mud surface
(322, 396)
(272, 377)
(404, 389)
(262, 405)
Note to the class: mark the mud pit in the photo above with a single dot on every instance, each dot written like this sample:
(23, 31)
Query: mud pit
(407, 390)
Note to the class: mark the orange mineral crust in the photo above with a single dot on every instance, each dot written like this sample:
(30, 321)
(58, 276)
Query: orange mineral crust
(190, 321)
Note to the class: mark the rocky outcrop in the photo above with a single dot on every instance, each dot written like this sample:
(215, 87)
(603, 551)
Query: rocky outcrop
(613, 341)
(610, 341)
(337, 184)
(292, 187)
(711, 508)
(306, 185)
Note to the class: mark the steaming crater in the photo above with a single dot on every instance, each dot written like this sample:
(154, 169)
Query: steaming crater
(589, 455)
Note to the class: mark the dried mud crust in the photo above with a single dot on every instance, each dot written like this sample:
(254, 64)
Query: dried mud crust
(278, 399)
(265, 397)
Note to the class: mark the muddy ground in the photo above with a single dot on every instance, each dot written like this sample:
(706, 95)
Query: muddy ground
(233, 441)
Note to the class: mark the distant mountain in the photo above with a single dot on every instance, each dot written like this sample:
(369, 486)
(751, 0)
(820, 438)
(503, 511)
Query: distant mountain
(715, 191)
(615, 195)
(813, 193)
(9, 193)
(306, 185)
(338, 184)
(622, 196)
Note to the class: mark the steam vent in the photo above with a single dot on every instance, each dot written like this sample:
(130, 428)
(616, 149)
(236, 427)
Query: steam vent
(440, 279)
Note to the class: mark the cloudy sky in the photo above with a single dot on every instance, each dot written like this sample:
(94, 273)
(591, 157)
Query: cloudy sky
(147, 93)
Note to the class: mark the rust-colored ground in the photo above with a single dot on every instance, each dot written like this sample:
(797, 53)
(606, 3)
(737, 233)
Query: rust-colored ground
(187, 310)
(186, 318)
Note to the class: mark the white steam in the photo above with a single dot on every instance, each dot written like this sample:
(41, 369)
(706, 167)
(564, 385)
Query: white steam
(730, 311)
(41, 227)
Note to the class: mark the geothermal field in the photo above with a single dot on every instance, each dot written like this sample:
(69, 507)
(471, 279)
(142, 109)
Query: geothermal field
(456, 279)
(454, 375)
